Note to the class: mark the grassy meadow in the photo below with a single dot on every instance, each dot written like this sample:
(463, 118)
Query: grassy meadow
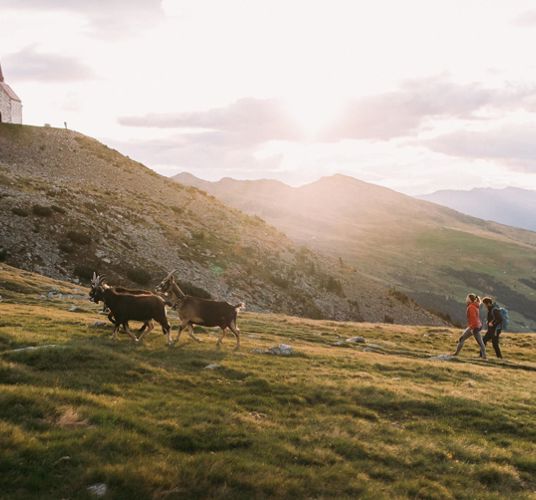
(379, 419)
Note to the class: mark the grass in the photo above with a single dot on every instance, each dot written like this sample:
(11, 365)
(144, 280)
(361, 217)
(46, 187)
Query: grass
(373, 420)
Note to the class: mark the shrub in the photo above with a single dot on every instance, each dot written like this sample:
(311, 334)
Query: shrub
(388, 319)
(334, 285)
(20, 211)
(42, 211)
(279, 281)
(66, 247)
(84, 271)
(58, 209)
(3, 254)
(190, 289)
(398, 295)
(79, 237)
(139, 275)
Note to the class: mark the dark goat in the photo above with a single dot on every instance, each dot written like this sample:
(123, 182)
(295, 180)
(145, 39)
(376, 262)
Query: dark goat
(94, 283)
(203, 312)
(126, 307)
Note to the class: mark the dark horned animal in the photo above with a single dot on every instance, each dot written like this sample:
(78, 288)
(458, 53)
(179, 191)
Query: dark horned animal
(126, 307)
(203, 312)
(94, 283)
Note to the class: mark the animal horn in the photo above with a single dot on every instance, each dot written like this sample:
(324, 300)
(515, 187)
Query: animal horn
(170, 274)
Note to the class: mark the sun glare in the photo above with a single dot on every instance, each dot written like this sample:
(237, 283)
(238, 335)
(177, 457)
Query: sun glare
(313, 114)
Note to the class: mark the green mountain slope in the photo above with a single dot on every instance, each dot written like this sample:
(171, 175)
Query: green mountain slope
(432, 253)
(70, 205)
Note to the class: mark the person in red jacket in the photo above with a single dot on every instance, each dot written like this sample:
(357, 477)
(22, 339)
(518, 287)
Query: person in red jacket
(474, 325)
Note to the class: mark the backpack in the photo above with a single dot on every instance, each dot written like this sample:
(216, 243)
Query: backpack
(505, 317)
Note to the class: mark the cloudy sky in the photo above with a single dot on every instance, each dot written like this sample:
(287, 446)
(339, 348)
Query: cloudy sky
(416, 95)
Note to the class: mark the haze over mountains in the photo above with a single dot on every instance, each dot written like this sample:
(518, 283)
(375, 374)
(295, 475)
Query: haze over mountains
(70, 205)
(512, 206)
(434, 254)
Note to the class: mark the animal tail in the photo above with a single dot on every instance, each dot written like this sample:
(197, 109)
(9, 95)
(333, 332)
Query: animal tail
(240, 306)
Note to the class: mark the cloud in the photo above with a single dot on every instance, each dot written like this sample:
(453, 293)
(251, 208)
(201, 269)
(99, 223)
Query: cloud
(245, 122)
(512, 145)
(526, 19)
(403, 111)
(197, 154)
(30, 65)
(113, 18)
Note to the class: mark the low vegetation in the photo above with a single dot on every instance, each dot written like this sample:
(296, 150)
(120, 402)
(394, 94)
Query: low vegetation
(378, 419)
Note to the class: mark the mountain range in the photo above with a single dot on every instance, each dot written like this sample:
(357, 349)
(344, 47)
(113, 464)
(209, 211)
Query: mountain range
(433, 254)
(69, 206)
(511, 206)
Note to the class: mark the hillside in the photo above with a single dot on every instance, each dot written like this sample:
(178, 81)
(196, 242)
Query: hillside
(511, 206)
(431, 253)
(377, 419)
(69, 205)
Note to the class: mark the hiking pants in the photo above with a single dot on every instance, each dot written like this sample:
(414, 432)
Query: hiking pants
(493, 335)
(468, 333)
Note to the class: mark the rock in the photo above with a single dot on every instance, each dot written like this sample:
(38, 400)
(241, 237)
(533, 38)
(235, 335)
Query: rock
(374, 346)
(34, 348)
(356, 340)
(443, 357)
(98, 489)
(212, 366)
(99, 324)
(279, 350)
(75, 309)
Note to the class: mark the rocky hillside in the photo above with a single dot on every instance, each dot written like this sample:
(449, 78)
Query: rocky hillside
(431, 253)
(70, 205)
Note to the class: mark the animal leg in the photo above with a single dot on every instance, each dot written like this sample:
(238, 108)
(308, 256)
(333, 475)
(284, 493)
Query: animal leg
(146, 324)
(150, 325)
(191, 332)
(127, 329)
(220, 338)
(236, 332)
(182, 326)
(116, 329)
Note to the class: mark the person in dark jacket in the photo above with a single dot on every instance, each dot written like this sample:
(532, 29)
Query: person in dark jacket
(495, 321)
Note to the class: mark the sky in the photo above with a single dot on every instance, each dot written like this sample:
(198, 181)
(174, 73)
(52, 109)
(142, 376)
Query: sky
(416, 95)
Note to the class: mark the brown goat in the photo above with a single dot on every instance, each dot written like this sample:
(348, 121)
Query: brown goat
(203, 312)
(125, 307)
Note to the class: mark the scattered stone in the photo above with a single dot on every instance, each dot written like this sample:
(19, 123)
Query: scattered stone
(279, 350)
(99, 324)
(356, 340)
(443, 357)
(351, 340)
(98, 489)
(74, 308)
(62, 459)
(34, 348)
(212, 366)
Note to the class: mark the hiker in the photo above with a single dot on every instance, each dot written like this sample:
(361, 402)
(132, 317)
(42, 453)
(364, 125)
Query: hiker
(474, 325)
(495, 324)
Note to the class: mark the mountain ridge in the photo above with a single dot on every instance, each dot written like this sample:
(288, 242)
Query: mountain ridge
(512, 206)
(415, 245)
(70, 205)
